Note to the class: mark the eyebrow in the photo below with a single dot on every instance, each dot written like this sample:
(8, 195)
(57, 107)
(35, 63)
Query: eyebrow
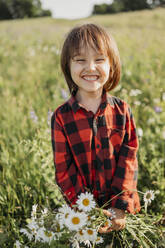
(83, 54)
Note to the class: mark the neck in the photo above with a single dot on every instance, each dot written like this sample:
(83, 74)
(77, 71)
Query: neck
(83, 96)
(90, 100)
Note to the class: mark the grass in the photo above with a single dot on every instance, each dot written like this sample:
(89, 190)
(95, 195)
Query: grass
(31, 79)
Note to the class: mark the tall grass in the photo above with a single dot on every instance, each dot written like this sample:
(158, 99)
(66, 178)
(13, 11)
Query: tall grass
(31, 80)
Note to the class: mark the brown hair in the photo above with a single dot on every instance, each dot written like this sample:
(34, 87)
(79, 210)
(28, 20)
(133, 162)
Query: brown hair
(96, 37)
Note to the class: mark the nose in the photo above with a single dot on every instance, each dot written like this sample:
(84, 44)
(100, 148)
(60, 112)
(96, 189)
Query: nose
(91, 65)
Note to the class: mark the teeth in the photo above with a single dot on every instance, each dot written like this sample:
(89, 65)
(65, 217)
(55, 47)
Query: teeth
(90, 78)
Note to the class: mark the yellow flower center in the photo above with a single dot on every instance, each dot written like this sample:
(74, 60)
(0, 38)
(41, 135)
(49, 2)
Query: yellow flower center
(75, 220)
(90, 232)
(148, 196)
(66, 215)
(48, 234)
(85, 202)
(80, 232)
(106, 223)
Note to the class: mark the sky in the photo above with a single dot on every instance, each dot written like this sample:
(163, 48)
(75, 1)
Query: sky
(71, 9)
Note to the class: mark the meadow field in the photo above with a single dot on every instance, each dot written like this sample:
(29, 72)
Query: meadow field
(32, 86)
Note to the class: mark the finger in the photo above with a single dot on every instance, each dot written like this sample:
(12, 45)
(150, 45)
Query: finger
(103, 229)
(106, 212)
(116, 227)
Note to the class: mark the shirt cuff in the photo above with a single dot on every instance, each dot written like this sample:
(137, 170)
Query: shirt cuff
(130, 205)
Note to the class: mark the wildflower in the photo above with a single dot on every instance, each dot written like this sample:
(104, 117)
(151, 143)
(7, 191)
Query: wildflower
(55, 50)
(87, 243)
(75, 243)
(17, 244)
(151, 121)
(90, 234)
(33, 226)
(32, 52)
(45, 211)
(140, 132)
(99, 240)
(44, 235)
(158, 109)
(50, 113)
(64, 94)
(80, 235)
(163, 134)
(137, 103)
(128, 73)
(86, 202)
(34, 209)
(64, 212)
(108, 223)
(45, 49)
(112, 212)
(33, 116)
(135, 92)
(25, 232)
(75, 221)
(163, 96)
(148, 196)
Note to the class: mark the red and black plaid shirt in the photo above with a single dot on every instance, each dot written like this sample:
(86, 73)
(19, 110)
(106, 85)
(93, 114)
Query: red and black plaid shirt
(96, 152)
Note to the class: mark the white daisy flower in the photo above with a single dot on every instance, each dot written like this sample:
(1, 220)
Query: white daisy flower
(40, 234)
(75, 243)
(108, 223)
(65, 209)
(113, 213)
(25, 232)
(90, 234)
(90, 219)
(17, 244)
(88, 243)
(63, 214)
(34, 211)
(99, 240)
(75, 221)
(80, 236)
(48, 236)
(45, 211)
(148, 196)
(33, 226)
(86, 202)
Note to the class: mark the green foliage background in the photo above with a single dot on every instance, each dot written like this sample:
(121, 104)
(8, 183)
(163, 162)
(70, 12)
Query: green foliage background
(31, 79)
(14, 9)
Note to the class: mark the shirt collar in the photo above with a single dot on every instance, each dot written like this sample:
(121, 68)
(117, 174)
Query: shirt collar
(106, 99)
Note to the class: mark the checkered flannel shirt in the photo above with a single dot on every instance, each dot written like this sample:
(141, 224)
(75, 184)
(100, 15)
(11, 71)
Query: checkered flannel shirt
(96, 152)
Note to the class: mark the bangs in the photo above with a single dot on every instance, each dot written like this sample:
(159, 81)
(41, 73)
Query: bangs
(88, 37)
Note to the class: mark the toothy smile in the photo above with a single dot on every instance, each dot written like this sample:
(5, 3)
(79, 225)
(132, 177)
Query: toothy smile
(90, 78)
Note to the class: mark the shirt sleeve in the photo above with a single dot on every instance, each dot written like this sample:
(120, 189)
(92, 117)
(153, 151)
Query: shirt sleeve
(124, 184)
(67, 175)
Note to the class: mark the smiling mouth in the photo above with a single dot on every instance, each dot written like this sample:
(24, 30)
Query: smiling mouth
(90, 78)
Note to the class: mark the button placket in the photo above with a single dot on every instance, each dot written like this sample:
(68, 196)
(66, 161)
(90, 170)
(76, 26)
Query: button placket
(94, 126)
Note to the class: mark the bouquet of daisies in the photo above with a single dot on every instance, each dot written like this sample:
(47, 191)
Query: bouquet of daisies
(79, 227)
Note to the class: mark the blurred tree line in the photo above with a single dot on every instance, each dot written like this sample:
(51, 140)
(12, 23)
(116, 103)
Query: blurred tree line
(127, 5)
(13, 9)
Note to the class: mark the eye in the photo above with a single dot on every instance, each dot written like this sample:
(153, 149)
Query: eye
(100, 59)
(80, 60)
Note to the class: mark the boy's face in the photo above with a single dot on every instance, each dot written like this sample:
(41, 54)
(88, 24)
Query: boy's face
(89, 69)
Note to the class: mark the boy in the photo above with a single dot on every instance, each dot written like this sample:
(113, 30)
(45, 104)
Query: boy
(93, 133)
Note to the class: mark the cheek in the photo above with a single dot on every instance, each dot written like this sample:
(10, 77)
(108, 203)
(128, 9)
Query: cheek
(105, 70)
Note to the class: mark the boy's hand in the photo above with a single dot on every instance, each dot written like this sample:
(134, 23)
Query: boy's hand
(118, 223)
